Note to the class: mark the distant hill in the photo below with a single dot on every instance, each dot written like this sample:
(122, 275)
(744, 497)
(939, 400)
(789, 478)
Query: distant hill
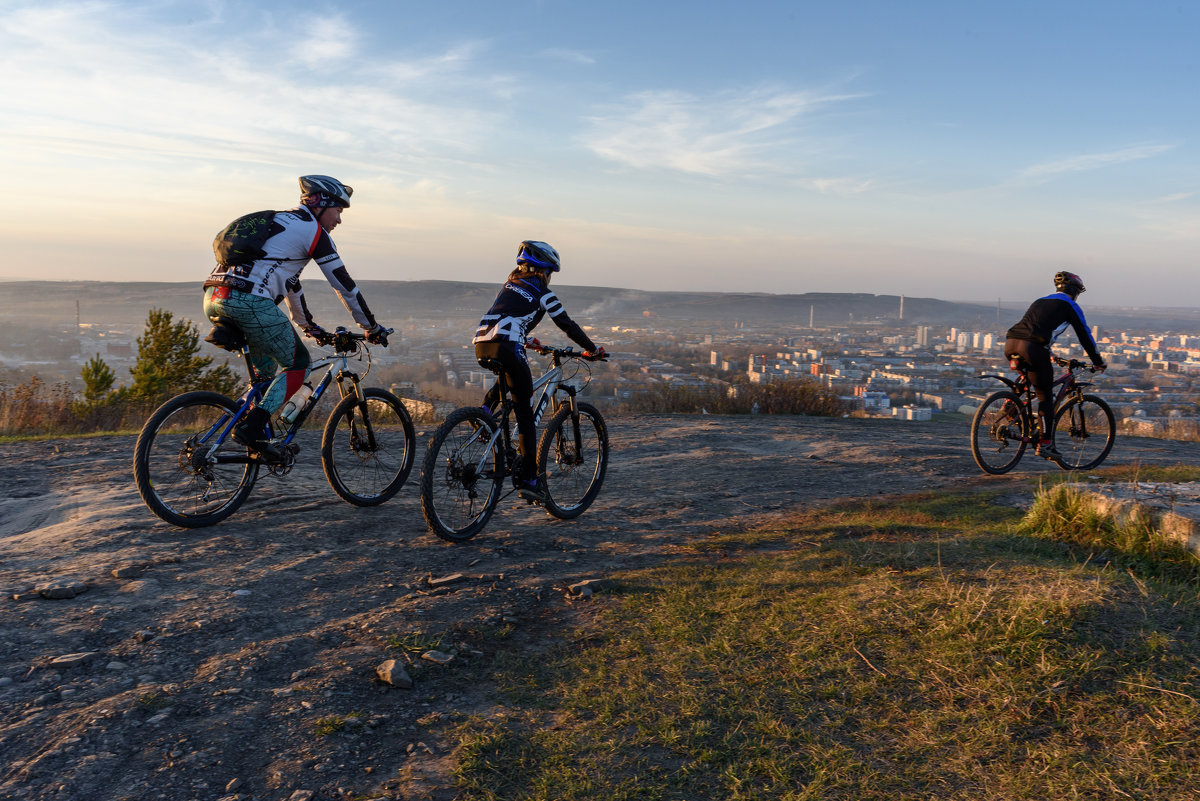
(120, 303)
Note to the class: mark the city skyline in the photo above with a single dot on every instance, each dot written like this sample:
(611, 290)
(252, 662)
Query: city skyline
(934, 150)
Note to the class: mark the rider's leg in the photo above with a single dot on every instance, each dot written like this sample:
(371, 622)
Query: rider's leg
(273, 342)
(511, 358)
(520, 386)
(1036, 358)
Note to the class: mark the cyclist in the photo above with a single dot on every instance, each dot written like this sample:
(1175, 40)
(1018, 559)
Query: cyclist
(249, 294)
(1028, 344)
(500, 346)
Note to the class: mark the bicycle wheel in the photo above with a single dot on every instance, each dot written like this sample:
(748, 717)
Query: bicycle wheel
(461, 475)
(572, 458)
(179, 473)
(367, 447)
(997, 433)
(1084, 430)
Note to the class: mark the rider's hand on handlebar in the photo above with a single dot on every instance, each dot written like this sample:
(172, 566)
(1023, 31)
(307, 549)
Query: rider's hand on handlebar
(318, 333)
(598, 355)
(533, 344)
(378, 335)
(1100, 368)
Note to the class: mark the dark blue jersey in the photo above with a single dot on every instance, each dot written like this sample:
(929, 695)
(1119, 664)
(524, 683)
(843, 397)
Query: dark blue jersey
(519, 307)
(1047, 318)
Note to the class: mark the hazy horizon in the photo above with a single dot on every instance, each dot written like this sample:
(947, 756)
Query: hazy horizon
(931, 149)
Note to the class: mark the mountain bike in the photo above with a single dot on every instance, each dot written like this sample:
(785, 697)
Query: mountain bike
(191, 472)
(1005, 424)
(472, 453)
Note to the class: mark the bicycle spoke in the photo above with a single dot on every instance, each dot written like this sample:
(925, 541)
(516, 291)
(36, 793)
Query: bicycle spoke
(1084, 431)
(998, 433)
(573, 455)
(180, 475)
(367, 447)
(460, 479)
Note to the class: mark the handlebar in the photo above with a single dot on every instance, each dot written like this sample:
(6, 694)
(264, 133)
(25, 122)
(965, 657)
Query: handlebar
(342, 339)
(1074, 364)
(567, 352)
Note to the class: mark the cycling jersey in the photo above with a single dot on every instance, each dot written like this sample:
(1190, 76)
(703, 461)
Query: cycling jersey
(518, 309)
(1048, 317)
(296, 239)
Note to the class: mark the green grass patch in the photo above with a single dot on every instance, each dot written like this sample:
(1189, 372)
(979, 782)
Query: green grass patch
(1064, 513)
(922, 649)
(332, 724)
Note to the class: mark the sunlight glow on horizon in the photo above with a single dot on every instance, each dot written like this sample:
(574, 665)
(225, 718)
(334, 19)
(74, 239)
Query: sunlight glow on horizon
(765, 149)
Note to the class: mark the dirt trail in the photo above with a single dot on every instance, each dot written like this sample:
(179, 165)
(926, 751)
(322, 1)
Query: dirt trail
(216, 654)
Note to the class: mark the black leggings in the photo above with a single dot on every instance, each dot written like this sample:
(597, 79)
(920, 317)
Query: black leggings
(1036, 358)
(520, 385)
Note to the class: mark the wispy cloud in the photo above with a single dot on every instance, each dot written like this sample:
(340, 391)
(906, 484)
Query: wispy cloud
(726, 134)
(841, 186)
(573, 56)
(112, 78)
(1090, 161)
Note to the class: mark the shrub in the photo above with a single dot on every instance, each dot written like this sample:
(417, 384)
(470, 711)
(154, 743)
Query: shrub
(793, 396)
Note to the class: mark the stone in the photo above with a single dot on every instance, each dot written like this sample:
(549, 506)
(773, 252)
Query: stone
(62, 590)
(438, 657)
(73, 660)
(587, 587)
(393, 673)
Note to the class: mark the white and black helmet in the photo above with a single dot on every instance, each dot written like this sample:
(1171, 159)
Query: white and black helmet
(323, 192)
(538, 254)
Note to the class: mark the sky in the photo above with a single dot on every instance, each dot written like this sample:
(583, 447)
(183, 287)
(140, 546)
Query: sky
(958, 150)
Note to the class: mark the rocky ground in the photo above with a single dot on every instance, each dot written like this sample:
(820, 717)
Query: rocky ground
(240, 661)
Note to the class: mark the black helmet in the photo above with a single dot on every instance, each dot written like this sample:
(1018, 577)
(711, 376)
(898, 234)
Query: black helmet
(1070, 283)
(539, 255)
(322, 192)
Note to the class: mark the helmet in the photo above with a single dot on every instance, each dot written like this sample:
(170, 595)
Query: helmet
(1070, 283)
(538, 254)
(321, 192)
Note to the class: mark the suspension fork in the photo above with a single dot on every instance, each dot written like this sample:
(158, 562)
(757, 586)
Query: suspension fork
(573, 404)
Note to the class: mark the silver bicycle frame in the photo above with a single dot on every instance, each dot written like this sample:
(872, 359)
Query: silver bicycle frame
(548, 382)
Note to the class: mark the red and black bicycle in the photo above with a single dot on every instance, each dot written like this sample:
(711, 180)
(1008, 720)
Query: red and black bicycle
(1005, 424)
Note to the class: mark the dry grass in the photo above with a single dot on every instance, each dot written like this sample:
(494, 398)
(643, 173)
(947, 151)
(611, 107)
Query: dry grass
(914, 650)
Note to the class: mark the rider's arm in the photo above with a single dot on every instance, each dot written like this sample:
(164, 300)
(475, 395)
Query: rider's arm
(558, 314)
(1084, 334)
(327, 258)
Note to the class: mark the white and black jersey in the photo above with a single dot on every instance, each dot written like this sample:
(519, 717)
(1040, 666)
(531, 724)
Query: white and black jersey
(296, 239)
(518, 309)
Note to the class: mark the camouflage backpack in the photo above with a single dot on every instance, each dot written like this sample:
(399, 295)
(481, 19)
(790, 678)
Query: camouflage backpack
(241, 242)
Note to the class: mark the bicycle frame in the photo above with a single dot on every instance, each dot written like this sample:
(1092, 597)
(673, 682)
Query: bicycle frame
(545, 387)
(256, 390)
(1022, 388)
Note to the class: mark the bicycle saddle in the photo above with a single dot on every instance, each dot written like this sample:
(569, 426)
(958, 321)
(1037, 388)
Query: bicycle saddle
(226, 335)
(491, 364)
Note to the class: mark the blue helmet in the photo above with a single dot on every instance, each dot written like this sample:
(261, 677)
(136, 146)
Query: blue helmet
(539, 255)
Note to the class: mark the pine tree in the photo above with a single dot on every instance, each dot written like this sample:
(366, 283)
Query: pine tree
(98, 380)
(169, 361)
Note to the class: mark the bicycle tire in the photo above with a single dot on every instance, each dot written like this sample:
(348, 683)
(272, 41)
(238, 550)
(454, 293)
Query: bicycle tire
(997, 442)
(367, 447)
(458, 464)
(1079, 425)
(175, 482)
(573, 467)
